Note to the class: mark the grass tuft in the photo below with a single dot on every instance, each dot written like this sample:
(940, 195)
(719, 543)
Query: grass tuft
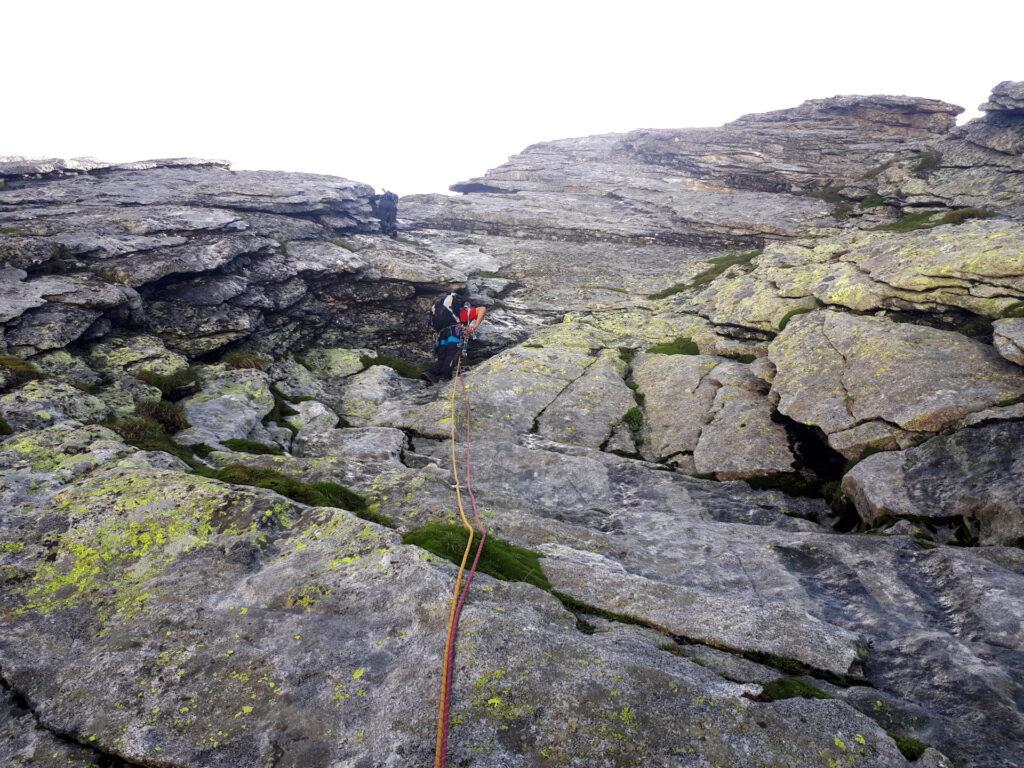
(682, 345)
(5, 428)
(149, 435)
(790, 688)
(282, 409)
(251, 446)
(173, 386)
(626, 354)
(499, 559)
(170, 416)
(245, 360)
(23, 370)
(874, 200)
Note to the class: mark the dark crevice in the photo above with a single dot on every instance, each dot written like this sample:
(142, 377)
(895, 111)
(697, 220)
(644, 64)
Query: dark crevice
(784, 664)
(101, 758)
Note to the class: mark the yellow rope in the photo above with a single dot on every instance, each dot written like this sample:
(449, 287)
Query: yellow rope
(439, 756)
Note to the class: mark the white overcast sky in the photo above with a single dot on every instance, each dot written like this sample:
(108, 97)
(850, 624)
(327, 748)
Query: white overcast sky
(414, 96)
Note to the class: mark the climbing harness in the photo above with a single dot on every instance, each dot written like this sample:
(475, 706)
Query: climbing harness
(461, 589)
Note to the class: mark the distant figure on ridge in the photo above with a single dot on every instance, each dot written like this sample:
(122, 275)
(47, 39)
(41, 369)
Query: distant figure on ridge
(454, 320)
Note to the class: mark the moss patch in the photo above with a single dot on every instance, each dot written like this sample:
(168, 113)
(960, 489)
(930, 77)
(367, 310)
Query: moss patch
(874, 200)
(251, 446)
(791, 314)
(499, 558)
(915, 221)
(400, 366)
(5, 428)
(322, 494)
(634, 419)
(909, 747)
(173, 386)
(1014, 310)
(682, 345)
(168, 415)
(790, 688)
(718, 265)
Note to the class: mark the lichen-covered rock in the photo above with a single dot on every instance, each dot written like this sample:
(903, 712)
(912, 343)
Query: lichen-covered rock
(131, 354)
(356, 443)
(977, 266)
(43, 402)
(333, 363)
(975, 474)
(1008, 338)
(363, 394)
(837, 371)
(588, 410)
(230, 404)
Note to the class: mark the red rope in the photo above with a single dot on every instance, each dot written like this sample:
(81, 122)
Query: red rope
(441, 756)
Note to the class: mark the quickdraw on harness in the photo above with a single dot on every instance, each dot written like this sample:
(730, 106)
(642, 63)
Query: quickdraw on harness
(461, 589)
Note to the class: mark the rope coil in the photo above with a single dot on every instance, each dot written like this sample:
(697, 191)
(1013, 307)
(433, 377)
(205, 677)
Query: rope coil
(461, 590)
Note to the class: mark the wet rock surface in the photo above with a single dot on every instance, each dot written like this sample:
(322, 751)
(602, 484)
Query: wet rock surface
(751, 395)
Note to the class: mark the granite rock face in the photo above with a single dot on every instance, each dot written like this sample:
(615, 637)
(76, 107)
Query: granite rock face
(751, 395)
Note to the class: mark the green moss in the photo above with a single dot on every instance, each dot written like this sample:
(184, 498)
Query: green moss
(960, 215)
(400, 366)
(745, 358)
(791, 314)
(1014, 310)
(251, 446)
(874, 200)
(23, 370)
(578, 606)
(909, 747)
(173, 386)
(344, 244)
(244, 360)
(718, 265)
(682, 345)
(168, 415)
(627, 354)
(634, 419)
(9, 230)
(499, 558)
(926, 163)
(914, 221)
(5, 428)
(909, 223)
(790, 688)
(320, 494)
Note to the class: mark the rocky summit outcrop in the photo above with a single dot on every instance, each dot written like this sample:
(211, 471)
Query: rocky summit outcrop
(746, 421)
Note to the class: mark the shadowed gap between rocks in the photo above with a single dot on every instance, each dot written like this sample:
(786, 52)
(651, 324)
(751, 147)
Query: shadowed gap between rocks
(101, 758)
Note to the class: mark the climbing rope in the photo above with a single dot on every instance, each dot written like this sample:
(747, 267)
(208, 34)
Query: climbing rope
(461, 590)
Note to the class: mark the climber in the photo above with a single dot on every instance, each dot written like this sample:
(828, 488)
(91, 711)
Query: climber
(454, 320)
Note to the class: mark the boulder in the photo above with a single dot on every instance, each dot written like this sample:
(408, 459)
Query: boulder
(229, 404)
(975, 474)
(1008, 338)
(837, 371)
(364, 394)
(43, 402)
